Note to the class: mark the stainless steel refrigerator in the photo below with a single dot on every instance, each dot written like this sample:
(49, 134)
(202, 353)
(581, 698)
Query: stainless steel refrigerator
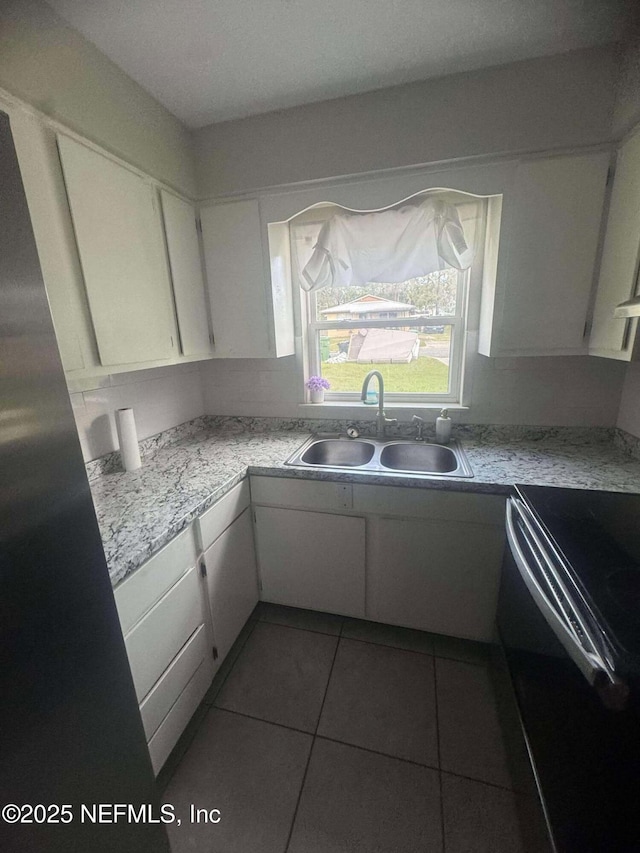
(70, 731)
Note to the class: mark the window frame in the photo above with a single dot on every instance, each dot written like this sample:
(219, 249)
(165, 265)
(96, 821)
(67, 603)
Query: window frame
(458, 321)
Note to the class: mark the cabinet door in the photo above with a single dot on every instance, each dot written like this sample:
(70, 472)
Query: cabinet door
(119, 235)
(232, 581)
(550, 228)
(181, 231)
(617, 280)
(155, 640)
(235, 264)
(311, 559)
(49, 210)
(434, 576)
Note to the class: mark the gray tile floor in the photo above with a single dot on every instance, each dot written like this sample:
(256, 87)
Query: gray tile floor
(329, 735)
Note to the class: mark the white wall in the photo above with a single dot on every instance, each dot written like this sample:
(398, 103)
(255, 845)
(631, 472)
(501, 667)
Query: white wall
(51, 66)
(161, 398)
(541, 104)
(627, 106)
(627, 114)
(567, 391)
(537, 104)
(629, 414)
(553, 102)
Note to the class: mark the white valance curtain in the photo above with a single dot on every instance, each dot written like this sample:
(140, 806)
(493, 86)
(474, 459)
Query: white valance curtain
(388, 246)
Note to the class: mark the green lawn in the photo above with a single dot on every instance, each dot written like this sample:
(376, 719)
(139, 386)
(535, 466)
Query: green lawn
(425, 375)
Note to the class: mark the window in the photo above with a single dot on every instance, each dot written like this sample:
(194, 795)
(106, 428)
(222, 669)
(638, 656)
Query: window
(412, 331)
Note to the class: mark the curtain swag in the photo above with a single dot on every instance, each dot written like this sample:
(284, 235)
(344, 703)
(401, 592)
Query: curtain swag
(388, 246)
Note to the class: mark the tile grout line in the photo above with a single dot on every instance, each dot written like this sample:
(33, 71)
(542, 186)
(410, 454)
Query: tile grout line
(381, 754)
(313, 742)
(314, 734)
(355, 746)
(484, 782)
(207, 706)
(231, 668)
(187, 747)
(297, 628)
(361, 748)
(262, 720)
(435, 685)
(341, 635)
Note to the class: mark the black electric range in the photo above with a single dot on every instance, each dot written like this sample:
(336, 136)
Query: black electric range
(597, 536)
(569, 622)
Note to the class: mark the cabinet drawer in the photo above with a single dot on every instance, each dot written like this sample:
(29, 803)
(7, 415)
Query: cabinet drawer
(301, 494)
(429, 503)
(159, 635)
(216, 519)
(137, 594)
(173, 680)
(175, 722)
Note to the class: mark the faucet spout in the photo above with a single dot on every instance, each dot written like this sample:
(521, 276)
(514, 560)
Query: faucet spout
(381, 419)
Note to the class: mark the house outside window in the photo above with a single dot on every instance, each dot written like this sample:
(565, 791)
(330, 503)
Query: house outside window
(412, 331)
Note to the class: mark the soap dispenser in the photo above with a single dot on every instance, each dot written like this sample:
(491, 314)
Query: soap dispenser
(443, 427)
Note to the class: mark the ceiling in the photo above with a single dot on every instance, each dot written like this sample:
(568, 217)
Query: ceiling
(213, 60)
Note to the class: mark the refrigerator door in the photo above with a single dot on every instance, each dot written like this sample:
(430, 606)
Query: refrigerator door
(70, 730)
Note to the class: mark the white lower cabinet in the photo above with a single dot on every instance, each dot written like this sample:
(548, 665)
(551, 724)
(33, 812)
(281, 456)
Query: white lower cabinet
(232, 581)
(434, 575)
(311, 559)
(433, 557)
(418, 558)
(168, 732)
(164, 617)
(158, 637)
(159, 700)
(166, 610)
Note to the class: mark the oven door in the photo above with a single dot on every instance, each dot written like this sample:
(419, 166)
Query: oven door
(585, 755)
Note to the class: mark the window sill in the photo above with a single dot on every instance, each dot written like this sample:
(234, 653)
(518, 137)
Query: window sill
(329, 405)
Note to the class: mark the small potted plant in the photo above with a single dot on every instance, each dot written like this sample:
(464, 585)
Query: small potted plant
(317, 386)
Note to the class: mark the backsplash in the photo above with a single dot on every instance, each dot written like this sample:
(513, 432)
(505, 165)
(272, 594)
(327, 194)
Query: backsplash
(479, 433)
(550, 391)
(629, 414)
(511, 399)
(628, 443)
(161, 398)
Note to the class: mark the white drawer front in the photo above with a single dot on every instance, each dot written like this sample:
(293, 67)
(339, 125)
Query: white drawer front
(156, 639)
(176, 720)
(216, 520)
(301, 494)
(429, 503)
(157, 703)
(137, 594)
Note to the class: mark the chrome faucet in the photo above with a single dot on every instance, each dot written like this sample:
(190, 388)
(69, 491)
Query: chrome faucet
(381, 419)
(419, 422)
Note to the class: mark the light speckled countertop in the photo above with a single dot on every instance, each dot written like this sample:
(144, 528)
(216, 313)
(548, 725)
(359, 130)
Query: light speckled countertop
(141, 511)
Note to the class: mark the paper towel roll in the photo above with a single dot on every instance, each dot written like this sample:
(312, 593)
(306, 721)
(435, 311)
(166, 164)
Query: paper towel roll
(128, 439)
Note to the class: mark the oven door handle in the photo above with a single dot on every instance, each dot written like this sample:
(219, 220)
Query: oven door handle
(590, 665)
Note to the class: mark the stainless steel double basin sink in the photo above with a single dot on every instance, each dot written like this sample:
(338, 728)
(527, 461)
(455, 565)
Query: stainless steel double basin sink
(370, 455)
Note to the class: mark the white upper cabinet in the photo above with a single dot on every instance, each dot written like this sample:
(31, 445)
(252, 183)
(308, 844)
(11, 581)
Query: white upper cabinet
(551, 216)
(617, 282)
(180, 225)
(44, 187)
(119, 235)
(246, 311)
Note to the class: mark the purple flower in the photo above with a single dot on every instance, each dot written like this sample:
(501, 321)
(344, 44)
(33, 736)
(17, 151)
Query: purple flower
(317, 383)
